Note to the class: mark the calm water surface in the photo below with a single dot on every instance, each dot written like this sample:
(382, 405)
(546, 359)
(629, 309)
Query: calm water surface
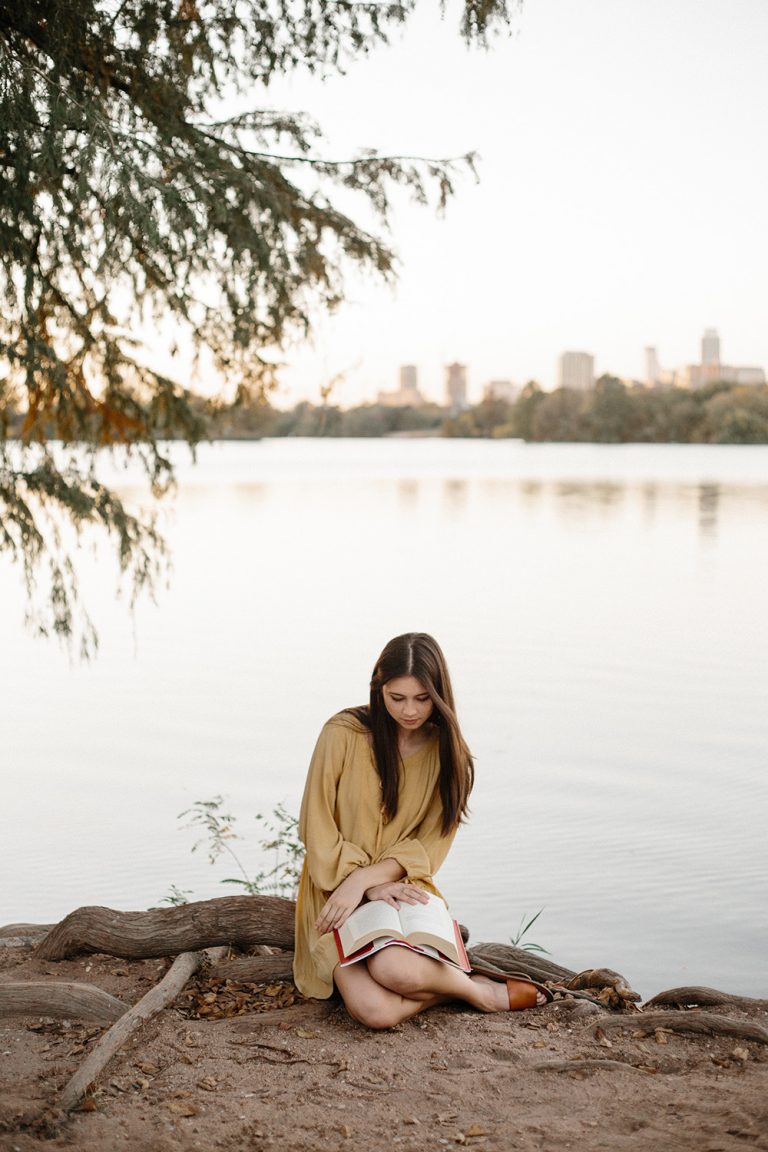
(603, 612)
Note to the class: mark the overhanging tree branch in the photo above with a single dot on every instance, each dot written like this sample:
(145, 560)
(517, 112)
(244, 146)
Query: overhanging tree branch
(127, 198)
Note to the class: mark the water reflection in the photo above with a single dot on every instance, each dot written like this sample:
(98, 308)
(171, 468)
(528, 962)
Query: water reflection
(609, 669)
(709, 503)
(455, 493)
(531, 490)
(247, 494)
(649, 499)
(602, 493)
(407, 493)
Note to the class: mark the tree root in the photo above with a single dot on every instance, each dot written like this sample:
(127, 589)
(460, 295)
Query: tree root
(255, 969)
(59, 1000)
(590, 1063)
(23, 935)
(238, 920)
(607, 988)
(705, 1023)
(507, 958)
(701, 998)
(163, 993)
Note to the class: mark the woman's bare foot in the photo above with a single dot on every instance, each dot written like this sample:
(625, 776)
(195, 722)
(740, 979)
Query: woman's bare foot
(494, 996)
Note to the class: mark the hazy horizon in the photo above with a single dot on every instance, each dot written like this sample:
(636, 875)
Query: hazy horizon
(622, 162)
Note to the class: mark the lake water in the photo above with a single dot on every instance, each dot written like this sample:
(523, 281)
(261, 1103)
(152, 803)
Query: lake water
(603, 612)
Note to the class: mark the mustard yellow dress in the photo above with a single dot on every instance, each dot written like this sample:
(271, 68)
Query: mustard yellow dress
(343, 827)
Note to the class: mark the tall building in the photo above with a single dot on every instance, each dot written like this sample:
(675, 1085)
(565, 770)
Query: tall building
(409, 378)
(652, 368)
(407, 395)
(456, 386)
(710, 347)
(712, 370)
(576, 370)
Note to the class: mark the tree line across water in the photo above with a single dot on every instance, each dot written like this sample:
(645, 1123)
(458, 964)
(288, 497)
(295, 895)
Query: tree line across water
(610, 413)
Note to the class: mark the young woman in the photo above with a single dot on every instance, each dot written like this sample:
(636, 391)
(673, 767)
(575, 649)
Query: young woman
(387, 788)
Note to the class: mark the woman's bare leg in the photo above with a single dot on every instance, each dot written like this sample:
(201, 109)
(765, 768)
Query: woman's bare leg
(373, 1005)
(396, 984)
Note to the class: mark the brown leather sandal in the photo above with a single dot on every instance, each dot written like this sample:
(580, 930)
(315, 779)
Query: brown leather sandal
(522, 991)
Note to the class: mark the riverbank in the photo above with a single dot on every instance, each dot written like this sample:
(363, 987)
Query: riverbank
(291, 1074)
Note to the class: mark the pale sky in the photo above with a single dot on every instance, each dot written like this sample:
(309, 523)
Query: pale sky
(623, 174)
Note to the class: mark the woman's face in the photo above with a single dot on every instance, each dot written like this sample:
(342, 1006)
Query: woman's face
(407, 701)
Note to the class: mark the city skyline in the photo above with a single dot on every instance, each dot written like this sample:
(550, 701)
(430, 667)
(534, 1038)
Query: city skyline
(573, 369)
(621, 164)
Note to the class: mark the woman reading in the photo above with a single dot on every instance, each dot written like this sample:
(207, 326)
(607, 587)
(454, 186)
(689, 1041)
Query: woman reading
(387, 787)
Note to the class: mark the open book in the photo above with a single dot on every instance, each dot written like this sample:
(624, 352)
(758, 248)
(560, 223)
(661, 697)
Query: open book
(426, 928)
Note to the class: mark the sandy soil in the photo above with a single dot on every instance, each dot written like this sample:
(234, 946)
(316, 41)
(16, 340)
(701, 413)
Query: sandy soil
(293, 1074)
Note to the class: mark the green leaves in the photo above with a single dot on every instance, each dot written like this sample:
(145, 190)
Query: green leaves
(132, 199)
(517, 939)
(282, 841)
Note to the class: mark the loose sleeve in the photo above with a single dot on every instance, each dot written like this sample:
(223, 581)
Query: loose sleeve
(422, 854)
(330, 858)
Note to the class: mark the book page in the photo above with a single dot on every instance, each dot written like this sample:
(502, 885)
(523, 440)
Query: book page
(433, 918)
(376, 918)
(423, 949)
(431, 924)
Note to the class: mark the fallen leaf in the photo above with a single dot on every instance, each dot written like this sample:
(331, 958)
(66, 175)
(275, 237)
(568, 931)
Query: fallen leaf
(475, 1130)
(182, 1107)
(740, 1054)
(602, 1039)
(147, 1066)
(192, 1040)
(208, 1083)
(345, 1130)
(88, 1104)
(660, 1035)
(306, 1034)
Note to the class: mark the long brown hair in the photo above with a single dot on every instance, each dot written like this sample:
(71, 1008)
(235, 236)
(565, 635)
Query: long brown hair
(419, 655)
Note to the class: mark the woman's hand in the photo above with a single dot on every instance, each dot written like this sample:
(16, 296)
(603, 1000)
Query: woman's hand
(396, 893)
(342, 902)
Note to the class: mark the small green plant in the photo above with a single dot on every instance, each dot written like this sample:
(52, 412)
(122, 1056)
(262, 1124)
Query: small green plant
(282, 879)
(177, 896)
(517, 940)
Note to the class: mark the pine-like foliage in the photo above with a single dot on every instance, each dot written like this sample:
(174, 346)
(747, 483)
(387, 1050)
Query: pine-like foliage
(129, 198)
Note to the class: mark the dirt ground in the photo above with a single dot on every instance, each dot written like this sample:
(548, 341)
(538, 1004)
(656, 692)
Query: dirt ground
(293, 1074)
